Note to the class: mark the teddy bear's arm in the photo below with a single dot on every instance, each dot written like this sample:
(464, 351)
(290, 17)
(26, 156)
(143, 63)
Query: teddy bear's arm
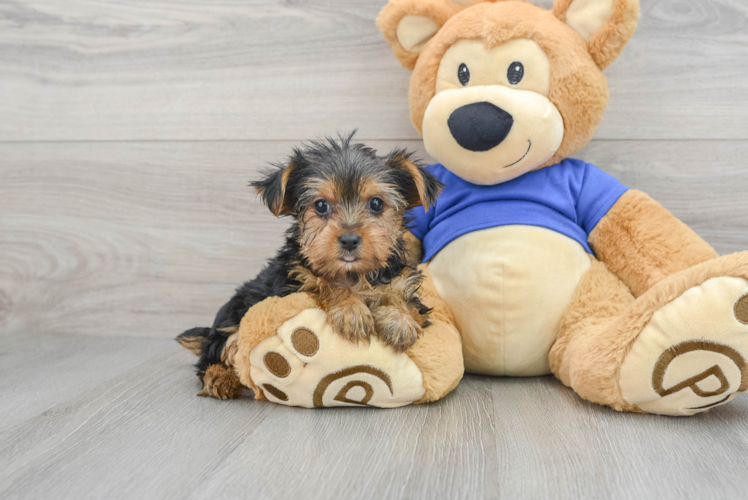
(642, 242)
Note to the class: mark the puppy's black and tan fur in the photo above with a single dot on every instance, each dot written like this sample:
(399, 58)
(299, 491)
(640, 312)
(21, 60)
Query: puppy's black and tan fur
(346, 245)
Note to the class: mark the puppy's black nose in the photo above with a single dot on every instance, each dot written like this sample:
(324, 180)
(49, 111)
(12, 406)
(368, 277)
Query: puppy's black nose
(349, 241)
(479, 126)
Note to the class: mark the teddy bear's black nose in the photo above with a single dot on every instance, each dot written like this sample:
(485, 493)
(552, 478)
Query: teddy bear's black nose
(479, 126)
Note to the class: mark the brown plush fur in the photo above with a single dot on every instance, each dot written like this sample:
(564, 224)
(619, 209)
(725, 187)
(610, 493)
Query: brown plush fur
(607, 44)
(438, 11)
(642, 243)
(440, 357)
(604, 320)
(578, 88)
(261, 322)
(587, 352)
(647, 257)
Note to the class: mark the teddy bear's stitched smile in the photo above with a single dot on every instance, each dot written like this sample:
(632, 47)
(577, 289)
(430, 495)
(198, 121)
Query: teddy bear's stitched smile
(529, 145)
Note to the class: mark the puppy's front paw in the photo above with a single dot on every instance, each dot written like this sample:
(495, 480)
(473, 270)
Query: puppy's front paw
(352, 320)
(220, 382)
(396, 327)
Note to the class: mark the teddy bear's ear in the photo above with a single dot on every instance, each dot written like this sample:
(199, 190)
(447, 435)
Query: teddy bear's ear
(607, 25)
(408, 25)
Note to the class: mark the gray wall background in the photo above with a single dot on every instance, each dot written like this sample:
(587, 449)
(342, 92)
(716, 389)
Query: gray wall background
(129, 131)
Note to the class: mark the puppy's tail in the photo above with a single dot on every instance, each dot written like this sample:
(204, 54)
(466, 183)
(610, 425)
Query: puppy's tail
(194, 339)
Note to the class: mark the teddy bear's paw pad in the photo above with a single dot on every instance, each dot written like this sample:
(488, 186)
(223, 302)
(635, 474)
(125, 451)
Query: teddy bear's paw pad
(693, 354)
(308, 364)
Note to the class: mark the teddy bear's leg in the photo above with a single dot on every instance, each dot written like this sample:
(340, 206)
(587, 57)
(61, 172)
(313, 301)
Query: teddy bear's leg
(586, 353)
(439, 350)
(288, 353)
(678, 349)
(306, 363)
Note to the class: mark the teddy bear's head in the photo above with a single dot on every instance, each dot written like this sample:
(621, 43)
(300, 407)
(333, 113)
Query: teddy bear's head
(504, 87)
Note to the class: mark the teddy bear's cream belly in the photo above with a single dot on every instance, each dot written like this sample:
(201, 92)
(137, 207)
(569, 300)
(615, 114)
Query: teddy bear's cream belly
(508, 288)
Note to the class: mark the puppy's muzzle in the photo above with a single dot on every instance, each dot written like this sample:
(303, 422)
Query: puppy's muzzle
(349, 241)
(479, 126)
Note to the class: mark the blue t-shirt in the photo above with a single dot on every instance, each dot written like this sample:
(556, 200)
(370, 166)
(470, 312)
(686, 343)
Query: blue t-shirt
(570, 198)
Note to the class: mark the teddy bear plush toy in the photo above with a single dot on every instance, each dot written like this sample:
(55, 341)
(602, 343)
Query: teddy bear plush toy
(548, 264)
(544, 264)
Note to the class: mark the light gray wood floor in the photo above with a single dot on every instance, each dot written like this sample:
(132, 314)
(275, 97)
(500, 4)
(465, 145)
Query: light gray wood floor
(128, 132)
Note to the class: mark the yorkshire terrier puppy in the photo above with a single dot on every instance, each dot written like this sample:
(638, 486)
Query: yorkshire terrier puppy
(346, 246)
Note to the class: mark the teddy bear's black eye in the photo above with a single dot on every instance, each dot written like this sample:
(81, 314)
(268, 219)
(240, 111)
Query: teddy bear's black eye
(515, 72)
(321, 207)
(463, 74)
(376, 205)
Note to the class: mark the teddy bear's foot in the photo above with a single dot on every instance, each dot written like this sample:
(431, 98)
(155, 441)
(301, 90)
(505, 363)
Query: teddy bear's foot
(693, 354)
(308, 364)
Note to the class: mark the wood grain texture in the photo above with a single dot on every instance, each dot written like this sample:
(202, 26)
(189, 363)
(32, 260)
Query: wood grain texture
(142, 433)
(263, 69)
(128, 132)
(148, 239)
(39, 371)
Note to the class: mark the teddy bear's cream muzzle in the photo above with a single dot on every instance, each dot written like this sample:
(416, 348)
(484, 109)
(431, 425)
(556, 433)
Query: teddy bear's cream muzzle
(491, 134)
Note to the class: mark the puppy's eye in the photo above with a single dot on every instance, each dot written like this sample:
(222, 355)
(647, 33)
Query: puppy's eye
(376, 205)
(515, 73)
(463, 74)
(321, 207)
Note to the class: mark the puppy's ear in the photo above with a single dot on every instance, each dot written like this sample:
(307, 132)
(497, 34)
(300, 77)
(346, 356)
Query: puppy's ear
(607, 25)
(420, 187)
(408, 25)
(272, 189)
